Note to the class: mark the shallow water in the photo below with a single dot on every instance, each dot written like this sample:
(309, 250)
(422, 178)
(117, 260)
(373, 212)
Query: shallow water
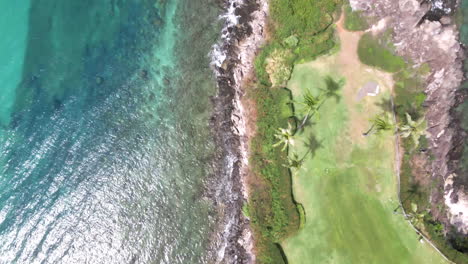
(105, 144)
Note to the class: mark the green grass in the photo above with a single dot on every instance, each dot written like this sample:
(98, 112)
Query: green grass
(409, 98)
(302, 29)
(354, 20)
(348, 190)
(373, 52)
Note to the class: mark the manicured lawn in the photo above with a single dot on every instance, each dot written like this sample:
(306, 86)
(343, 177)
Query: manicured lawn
(347, 187)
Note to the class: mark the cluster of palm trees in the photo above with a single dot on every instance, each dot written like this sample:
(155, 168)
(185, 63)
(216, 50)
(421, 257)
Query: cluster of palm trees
(413, 129)
(311, 105)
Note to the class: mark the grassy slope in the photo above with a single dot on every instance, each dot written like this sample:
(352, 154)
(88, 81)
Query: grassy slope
(348, 190)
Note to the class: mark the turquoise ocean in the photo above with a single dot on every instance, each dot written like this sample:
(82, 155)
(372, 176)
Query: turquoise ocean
(105, 143)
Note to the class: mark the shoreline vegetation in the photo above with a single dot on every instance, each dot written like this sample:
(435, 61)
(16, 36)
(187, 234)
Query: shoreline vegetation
(299, 31)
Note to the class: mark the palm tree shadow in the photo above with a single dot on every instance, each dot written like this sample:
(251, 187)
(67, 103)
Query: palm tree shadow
(385, 104)
(308, 123)
(332, 87)
(414, 189)
(313, 144)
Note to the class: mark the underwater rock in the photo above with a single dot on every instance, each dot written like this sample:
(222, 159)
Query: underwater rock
(99, 80)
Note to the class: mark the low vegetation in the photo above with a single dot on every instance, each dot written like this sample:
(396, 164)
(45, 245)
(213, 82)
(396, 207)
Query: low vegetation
(354, 20)
(409, 108)
(373, 52)
(300, 30)
(273, 213)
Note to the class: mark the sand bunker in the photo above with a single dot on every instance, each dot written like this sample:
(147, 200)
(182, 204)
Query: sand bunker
(369, 89)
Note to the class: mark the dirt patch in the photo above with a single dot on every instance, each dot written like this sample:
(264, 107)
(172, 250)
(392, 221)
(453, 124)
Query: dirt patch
(346, 64)
(357, 75)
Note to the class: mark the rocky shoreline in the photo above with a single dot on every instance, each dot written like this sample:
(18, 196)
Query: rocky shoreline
(424, 32)
(232, 61)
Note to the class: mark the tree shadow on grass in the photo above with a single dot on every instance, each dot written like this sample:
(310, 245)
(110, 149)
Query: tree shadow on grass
(308, 123)
(414, 190)
(332, 87)
(385, 105)
(312, 144)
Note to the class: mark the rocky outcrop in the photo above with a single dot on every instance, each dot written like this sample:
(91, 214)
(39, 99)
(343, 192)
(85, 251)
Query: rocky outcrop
(422, 40)
(457, 202)
(232, 62)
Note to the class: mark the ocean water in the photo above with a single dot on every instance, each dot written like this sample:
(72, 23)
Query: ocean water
(105, 144)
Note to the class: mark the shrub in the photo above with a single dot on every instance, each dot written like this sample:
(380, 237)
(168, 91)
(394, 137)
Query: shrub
(374, 53)
(354, 20)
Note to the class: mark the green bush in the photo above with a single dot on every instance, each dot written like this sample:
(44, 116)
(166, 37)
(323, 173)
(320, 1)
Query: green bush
(354, 20)
(374, 53)
(260, 63)
(456, 246)
(273, 212)
(409, 90)
(310, 47)
(461, 110)
(301, 17)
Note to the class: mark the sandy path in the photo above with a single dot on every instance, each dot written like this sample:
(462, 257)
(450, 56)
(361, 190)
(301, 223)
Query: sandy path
(357, 74)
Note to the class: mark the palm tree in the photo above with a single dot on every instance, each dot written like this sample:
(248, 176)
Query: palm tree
(380, 123)
(285, 137)
(416, 218)
(413, 129)
(311, 105)
(295, 162)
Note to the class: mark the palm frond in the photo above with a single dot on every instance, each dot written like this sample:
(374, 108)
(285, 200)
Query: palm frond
(380, 123)
(415, 129)
(285, 137)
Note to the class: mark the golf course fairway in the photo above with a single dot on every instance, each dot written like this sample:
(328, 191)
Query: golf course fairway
(347, 184)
